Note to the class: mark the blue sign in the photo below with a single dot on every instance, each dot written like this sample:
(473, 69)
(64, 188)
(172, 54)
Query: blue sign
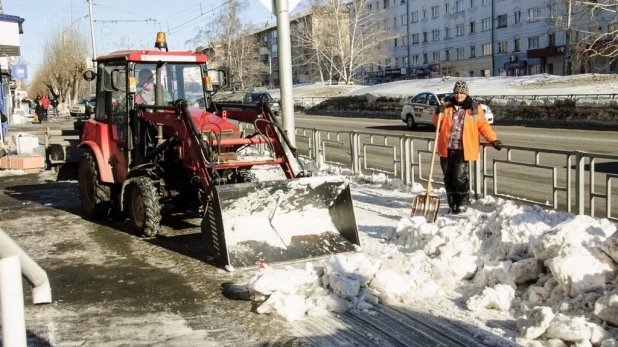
(567, 55)
(19, 71)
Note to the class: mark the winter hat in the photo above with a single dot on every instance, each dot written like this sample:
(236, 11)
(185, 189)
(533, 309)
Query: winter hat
(461, 87)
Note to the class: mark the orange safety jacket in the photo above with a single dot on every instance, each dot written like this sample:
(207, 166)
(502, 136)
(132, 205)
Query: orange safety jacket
(474, 123)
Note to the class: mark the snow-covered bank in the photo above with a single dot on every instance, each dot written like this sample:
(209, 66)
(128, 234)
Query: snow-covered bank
(553, 273)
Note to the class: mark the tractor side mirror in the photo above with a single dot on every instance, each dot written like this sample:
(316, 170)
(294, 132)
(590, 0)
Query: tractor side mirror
(118, 78)
(89, 75)
(218, 79)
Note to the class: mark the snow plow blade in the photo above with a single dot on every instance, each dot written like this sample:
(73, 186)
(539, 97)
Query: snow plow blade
(248, 224)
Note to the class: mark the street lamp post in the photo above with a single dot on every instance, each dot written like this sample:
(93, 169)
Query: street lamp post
(70, 25)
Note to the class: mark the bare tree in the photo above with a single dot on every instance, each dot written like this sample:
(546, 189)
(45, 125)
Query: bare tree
(231, 45)
(64, 62)
(343, 37)
(591, 30)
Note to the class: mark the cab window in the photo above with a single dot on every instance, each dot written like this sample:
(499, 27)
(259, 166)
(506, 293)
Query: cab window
(420, 99)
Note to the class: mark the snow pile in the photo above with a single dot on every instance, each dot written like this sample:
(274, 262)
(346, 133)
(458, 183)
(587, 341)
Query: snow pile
(553, 271)
(339, 285)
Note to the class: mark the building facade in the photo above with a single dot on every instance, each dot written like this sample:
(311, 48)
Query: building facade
(482, 38)
(470, 38)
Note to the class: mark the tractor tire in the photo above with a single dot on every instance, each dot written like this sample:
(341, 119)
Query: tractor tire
(95, 197)
(144, 207)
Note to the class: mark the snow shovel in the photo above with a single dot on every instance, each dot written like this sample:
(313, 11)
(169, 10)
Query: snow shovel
(426, 205)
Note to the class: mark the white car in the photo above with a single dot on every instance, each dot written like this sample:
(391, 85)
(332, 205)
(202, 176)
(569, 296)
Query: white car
(79, 109)
(420, 108)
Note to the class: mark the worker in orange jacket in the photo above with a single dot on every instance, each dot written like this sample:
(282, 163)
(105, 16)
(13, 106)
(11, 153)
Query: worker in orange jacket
(463, 120)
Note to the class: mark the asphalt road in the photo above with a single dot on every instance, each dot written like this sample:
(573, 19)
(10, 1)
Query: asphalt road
(111, 288)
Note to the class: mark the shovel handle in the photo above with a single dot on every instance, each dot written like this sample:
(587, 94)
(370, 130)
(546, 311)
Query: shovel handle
(433, 154)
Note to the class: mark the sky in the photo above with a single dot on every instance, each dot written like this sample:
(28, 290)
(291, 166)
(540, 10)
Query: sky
(116, 20)
(551, 274)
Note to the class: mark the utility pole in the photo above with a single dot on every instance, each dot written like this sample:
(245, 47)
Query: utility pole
(94, 48)
(567, 62)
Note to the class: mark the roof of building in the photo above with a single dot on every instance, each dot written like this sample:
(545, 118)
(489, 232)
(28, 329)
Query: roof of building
(11, 18)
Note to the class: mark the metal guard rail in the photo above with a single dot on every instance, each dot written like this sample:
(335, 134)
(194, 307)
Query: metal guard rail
(567, 186)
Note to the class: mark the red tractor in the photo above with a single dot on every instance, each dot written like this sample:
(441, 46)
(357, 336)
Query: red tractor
(157, 139)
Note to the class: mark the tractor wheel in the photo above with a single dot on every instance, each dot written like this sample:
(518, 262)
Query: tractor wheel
(144, 207)
(93, 194)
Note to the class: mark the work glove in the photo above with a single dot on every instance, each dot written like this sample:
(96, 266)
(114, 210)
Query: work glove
(497, 144)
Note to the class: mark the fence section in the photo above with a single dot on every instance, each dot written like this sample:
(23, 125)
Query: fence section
(573, 181)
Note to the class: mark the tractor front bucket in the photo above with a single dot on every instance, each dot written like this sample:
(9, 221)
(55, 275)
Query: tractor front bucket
(248, 224)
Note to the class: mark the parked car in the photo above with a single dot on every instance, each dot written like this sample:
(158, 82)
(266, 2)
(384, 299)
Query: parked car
(79, 109)
(255, 97)
(420, 108)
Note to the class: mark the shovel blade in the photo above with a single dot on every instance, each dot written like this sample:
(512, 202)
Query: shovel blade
(426, 205)
(268, 222)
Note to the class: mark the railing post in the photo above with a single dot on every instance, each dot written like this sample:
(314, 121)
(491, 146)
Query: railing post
(12, 302)
(406, 164)
(317, 153)
(580, 179)
(354, 152)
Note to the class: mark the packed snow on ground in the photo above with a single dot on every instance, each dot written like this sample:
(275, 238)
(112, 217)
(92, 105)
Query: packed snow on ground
(541, 84)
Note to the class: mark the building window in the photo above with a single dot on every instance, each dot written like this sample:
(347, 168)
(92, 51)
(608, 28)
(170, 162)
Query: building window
(459, 5)
(404, 19)
(472, 51)
(516, 17)
(425, 36)
(486, 24)
(425, 58)
(471, 74)
(436, 57)
(447, 55)
(516, 45)
(460, 29)
(447, 33)
(534, 13)
(472, 3)
(502, 47)
(447, 8)
(395, 42)
(415, 39)
(502, 21)
(533, 42)
(435, 12)
(435, 34)
(385, 2)
(461, 53)
(472, 27)
(396, 62)
(487, 49)
(404, 61)
(394, 22)
(551, 40)
(424, 14)
(486, 2)
(551, 10)
(415, 59)
(414, 17)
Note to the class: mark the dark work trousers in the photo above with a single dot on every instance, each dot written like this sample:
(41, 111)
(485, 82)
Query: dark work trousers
(456, 179)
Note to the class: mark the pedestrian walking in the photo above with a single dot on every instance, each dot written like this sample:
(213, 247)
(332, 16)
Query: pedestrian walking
(462, 120)
(54, 104)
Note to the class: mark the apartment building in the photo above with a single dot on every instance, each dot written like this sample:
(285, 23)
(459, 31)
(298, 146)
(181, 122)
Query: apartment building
(471, 38)
(482, 38)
